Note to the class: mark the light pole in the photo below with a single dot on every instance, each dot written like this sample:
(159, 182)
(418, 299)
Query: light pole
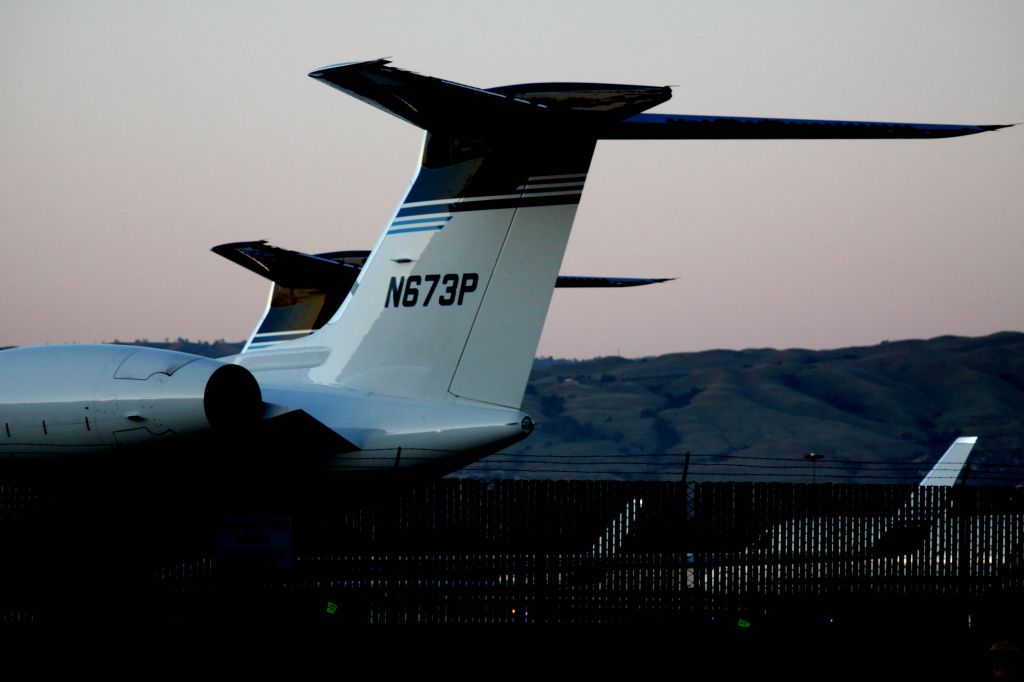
(814, 457)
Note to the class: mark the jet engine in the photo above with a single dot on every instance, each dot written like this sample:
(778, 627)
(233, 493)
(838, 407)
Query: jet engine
(65, 400)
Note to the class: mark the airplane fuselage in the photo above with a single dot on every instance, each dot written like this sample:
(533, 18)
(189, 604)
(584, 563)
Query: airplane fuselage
(77, 400)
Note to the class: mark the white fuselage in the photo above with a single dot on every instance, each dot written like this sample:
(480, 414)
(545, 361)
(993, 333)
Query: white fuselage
(80, 400)
(393, 431)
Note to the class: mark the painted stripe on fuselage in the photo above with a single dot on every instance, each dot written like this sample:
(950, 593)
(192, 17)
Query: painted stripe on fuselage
(424, 228)
(425, 216)
(462, 204)
(422, 223)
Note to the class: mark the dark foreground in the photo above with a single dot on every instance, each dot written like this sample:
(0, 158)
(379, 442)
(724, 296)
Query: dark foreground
(935, 577)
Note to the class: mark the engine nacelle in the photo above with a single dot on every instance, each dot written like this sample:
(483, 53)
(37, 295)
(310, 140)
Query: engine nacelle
(65, 400)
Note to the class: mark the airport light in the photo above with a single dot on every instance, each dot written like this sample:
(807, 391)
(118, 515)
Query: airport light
(813, 457)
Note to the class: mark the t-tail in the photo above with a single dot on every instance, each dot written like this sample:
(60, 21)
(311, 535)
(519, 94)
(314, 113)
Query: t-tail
(420, 350)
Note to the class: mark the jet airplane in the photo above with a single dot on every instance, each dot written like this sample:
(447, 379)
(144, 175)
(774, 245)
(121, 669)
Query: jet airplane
(417, 353)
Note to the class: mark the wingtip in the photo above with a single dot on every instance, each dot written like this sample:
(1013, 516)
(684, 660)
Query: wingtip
(221, 249)
(319, 73)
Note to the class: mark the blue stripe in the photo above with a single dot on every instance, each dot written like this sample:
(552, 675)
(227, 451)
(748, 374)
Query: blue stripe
(415, 229)
(404, 221)
(468, 204)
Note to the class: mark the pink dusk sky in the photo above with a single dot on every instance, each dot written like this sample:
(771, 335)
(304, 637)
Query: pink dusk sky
(134, 136)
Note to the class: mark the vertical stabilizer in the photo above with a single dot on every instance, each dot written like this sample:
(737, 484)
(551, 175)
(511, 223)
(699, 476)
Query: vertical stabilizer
(452, 300)
(951, 464)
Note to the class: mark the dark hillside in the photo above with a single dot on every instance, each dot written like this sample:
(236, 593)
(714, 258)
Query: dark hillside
(862, 408)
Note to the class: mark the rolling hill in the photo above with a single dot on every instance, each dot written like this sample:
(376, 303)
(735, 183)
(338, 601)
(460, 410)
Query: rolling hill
(883, 412)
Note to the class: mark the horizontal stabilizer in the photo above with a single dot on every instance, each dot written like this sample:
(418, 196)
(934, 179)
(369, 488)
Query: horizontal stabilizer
(571, 282)
(442, 106)
(584, 110)
(295, 269)
(429, 103)
(336, 271)
(682, 127)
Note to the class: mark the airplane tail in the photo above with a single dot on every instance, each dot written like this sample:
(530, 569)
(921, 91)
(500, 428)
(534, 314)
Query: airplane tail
(949, 467)
(944, 474)
(451, 301)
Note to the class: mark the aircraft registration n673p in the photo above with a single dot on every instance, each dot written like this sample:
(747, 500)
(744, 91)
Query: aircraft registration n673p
(416, 353)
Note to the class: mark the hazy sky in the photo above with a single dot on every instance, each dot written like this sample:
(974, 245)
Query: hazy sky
(136, 135)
